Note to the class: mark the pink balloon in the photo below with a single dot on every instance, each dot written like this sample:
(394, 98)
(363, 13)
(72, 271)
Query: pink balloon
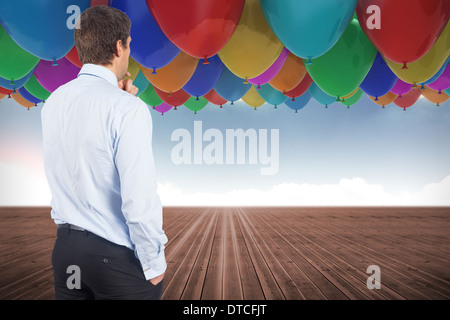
(51, 77)
(272, 71)
(163, 107)
(401, 87)
(443, 82)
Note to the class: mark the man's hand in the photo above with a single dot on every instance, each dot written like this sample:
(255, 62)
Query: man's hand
(127, 85)
(157, 280)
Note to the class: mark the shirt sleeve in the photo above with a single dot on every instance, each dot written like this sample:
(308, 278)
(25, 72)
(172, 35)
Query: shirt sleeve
(141, 205)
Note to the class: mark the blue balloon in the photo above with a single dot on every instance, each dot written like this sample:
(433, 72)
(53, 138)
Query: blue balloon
(231, 87)
(5, 83)
(204, 77)
(271, 95)
(308, 28)
(300, 102)
(149, 45)
(379, 80)
(141, 82)
(28, 96)
(320, 96)
(44, 28)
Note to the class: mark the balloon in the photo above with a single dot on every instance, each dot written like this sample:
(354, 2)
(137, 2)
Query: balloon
(426, 67)
(230, 87)
(42, 27)
(342, 69)
(271, 95)
(272, 71)
(150, 97)
(252, 98)
(149, 46)
(204, 77)
(443, 82)
(35, 88)
(400, 88)
(200, 28)
(434, 95)
(6, 92)
(408, 99)
(17, 83)
(2, 96)
(51, 77)
(15, 63)
(446, 91)
(133, 68)
(290, 75)
(388, 98)
(299, 103)
(320, 96)
(354, 98)
(173, 76)
(141, 83)
(22, 101)
(73, 57)
(308, 28)
(174, 99)
(28, 96)
(196, 104)
(213, 97)
(408, 28)
(379, 80)
(162, 108)
(253, 48)
(301, 88)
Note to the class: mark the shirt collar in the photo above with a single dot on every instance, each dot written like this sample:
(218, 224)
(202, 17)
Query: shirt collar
(99, 71)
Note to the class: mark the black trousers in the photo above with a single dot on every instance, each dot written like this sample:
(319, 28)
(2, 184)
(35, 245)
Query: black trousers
(88, 267)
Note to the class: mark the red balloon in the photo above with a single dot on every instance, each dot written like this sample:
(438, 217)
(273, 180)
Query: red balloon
(213, 97)
(300, 88)
(201, 28)
(403, 30)
(173, 99)
(73, 57)
(6, 92)
(408, 99)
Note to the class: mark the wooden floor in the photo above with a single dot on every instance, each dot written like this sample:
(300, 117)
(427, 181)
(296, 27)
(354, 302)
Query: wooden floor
(262, 253)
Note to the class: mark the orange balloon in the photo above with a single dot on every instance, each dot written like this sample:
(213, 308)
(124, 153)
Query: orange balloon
(22, 101)
(290, 75)
(2, 96)
(434, 95)
(173, 76)
(388, 98)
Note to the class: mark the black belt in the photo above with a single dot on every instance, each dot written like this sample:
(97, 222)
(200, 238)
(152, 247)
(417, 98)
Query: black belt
(70, 226)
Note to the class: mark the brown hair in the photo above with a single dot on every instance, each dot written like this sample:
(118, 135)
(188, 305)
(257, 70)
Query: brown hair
(97, 31)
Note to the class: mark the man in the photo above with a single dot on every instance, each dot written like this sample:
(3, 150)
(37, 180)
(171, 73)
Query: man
(97, 139)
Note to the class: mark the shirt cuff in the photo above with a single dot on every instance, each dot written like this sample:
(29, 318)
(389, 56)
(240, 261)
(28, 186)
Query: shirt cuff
(156, 267)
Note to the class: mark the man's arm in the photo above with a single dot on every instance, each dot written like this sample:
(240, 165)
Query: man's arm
(141, 204)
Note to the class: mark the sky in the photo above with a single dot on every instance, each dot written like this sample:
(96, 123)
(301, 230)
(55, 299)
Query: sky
(363, 155)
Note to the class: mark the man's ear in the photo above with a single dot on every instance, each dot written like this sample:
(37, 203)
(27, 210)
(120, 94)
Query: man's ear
(119, 48)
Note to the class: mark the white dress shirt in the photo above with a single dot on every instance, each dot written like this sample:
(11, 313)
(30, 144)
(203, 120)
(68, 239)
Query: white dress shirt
(98, 158)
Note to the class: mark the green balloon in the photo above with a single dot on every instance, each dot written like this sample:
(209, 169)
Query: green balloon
(35, 88)
(196, 104)
(15, 62)
(341, 70)
(150, 97)
(447, 91)
(353, 99)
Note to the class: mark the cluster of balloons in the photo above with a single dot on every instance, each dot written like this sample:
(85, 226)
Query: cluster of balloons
(192, 52)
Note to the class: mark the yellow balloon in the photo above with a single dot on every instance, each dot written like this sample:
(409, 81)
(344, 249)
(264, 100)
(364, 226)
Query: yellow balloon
(434, 95)
(173, 76)
(388, 98)
(349, 95)
(253, 48)
(252, 98)
(133, 68)
(426, 67)
(22, 101)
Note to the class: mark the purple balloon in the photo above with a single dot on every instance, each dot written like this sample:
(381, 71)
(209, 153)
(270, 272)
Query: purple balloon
(272, 71)
(51, 77)
(443, 82)
(163, 107)
(401, 87)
